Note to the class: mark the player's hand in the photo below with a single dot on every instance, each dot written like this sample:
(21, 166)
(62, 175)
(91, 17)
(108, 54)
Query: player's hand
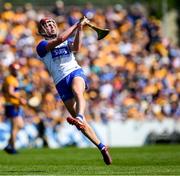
(23, 101)
(84, 21)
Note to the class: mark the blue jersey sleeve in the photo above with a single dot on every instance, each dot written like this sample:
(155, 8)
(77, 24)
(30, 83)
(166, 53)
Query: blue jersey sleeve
(41, 48)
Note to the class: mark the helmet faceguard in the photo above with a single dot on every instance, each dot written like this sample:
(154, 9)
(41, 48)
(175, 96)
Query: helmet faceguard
(47, 28)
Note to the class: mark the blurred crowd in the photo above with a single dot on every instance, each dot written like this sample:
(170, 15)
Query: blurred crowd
(133, 73)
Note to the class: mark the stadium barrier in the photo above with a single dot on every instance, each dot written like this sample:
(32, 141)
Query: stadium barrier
(127, 133)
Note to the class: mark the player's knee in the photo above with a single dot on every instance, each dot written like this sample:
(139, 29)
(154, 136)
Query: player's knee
(20, 126)
(78, 94)
(19, 123)
(17, 127)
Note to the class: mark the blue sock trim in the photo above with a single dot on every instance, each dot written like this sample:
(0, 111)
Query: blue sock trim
(79, 115)
(100, 146)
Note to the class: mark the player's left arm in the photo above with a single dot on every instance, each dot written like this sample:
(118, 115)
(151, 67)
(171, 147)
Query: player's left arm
(76, 45)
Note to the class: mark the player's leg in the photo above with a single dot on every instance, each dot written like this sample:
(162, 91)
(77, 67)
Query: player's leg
(82, 124)
(17, 124)
(71, 106)
(71, 90)
(78, 88)
(77, 109)
(12, 113)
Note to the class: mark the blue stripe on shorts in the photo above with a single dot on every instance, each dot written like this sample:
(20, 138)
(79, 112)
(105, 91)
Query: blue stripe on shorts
(64, 86)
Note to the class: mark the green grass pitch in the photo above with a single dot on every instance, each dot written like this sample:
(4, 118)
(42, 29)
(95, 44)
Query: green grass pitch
(148, 160)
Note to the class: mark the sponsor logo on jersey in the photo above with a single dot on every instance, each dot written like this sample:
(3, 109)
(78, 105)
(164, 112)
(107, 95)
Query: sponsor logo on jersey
(60, 52)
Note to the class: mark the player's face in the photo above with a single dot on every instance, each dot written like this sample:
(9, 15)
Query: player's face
(51, 27)
(14, 72)
(14, 69)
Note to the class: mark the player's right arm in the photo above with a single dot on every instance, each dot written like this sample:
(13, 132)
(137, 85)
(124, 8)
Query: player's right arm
(61, 37)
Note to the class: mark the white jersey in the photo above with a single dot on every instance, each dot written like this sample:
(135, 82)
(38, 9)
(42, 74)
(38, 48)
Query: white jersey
(60, 61)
